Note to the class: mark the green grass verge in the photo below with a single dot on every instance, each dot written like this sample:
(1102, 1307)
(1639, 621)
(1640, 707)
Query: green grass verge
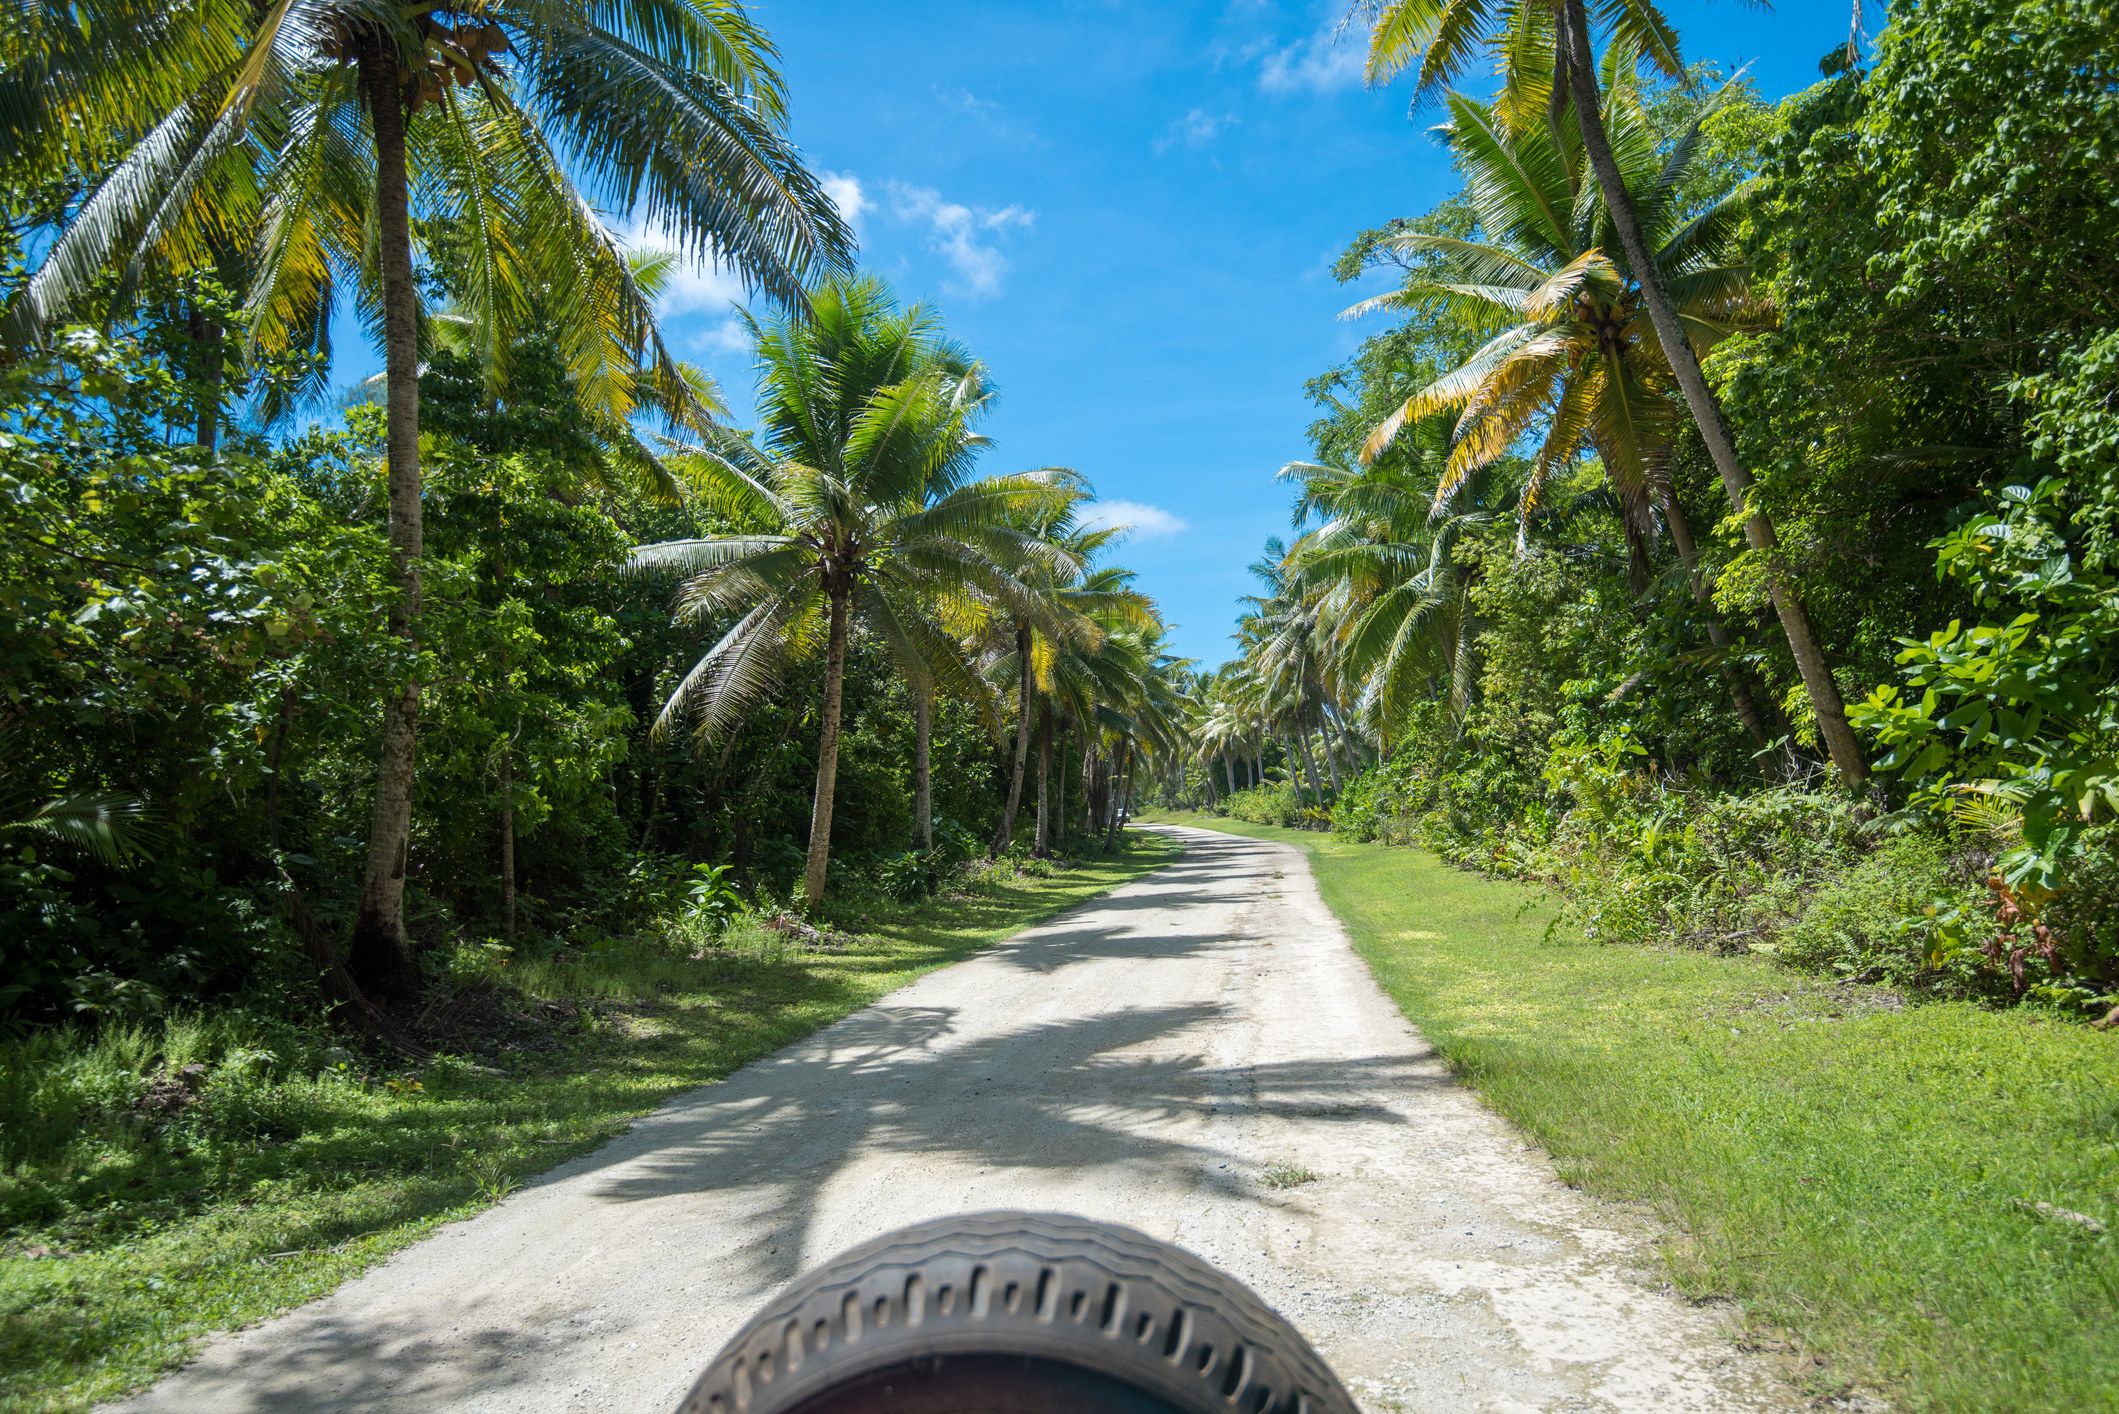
(1847, 1168)
(151, 1244)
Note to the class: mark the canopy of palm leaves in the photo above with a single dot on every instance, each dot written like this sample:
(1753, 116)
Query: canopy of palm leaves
(255, 141)
(1445, 39)
(1390, 610)
(1573, 353)
(858, 482)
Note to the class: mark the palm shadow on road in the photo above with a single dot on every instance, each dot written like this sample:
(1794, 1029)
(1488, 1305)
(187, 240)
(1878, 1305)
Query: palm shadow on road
(1132, 1089)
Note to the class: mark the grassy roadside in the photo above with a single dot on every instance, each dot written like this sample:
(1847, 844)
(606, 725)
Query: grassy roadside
(1846, 1167)
(120, 1256)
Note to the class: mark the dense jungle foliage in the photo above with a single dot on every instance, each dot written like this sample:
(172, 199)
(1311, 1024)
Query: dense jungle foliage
(526, 650)
(199, 631)
(1523, 623)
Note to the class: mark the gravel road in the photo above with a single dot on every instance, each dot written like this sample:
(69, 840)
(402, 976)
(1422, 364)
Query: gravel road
(1163, 1056)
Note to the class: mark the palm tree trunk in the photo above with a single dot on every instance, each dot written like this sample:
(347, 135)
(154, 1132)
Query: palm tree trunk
(1005, 836)
(206, 353)
(1578, 56)
(1091, 759)
(507, 838)
(1042, 839)
(1118, 775)
(827, 748)
(922, 770)
(1059, 795)
(272, 779)
(1331, 761)
(1309, 764)
(1717, 632)
(380, 957)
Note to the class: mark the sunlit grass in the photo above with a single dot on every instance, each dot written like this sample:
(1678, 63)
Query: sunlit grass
(128, 1239)
(1847, 1168)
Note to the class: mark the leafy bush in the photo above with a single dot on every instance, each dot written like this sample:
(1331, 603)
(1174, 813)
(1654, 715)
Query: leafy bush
(1275, 803)
(2015, 727)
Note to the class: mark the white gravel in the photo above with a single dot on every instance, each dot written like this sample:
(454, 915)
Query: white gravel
(1147, 1058)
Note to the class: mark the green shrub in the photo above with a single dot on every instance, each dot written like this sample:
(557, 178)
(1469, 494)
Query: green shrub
(1275, 803)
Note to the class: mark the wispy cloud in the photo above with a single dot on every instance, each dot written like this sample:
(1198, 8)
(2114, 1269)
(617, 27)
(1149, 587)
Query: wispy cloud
(1146, 522)
(846, 193)
(1329, 60)
(695, 285)
(1195, 129)
(962, 235)
(988, 114)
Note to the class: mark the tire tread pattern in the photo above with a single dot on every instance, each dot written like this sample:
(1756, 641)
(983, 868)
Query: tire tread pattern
(1091, 1294)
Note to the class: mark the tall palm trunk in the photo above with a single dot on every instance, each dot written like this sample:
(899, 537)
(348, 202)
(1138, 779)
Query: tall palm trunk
(1118, 777)
(1331, 760)
(1717, 633)
(1228, 768)
(1091, 785)
(827, 746)
(507, 838)
(1042, 839)
(1309, 763)
(380, 956)
(206, 339)
(1005, 836)
(1579, 59)
(1059, 793)
(507, 790)
(922, 771)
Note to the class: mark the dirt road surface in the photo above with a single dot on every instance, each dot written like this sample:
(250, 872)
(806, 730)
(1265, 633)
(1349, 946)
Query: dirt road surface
(1176, 1055)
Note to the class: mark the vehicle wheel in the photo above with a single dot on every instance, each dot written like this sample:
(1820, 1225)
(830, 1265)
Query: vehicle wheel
(1017, 1313)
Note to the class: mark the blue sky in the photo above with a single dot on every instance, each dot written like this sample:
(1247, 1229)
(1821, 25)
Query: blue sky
(1130, 212)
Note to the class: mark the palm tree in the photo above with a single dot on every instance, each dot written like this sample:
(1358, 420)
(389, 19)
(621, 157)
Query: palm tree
(1549, 60)
(1089, 679)
(1396, 604)
(305, 134)
(854, 501)
(1574, 350)
(1061, 609)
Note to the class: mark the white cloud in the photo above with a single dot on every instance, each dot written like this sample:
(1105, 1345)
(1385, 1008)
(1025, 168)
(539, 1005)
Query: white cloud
(1195, 129)
(846, 193)
(726, 337)
(1145, 521)
(1328, 60)
(960, 234)
(694, 283)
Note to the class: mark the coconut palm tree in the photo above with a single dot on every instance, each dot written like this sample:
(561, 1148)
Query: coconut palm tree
(1548, 58)
(1085, 679)
(1574, 352)
(320, 135)
(1396, 605)
(855, 503)
(1068, 606)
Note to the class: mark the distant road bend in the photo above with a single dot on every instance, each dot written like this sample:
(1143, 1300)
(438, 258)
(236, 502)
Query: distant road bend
(1162, 1056)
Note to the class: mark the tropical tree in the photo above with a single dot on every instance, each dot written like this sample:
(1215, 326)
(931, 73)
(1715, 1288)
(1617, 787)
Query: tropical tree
(1574, 352)
(852, 504)
(321, 137)
(1547, 55)
(1065, 606)
(1091, 681)
(1394, 602)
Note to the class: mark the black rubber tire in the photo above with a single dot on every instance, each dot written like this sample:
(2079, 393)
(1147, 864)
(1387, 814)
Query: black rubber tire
(1028, 1312)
